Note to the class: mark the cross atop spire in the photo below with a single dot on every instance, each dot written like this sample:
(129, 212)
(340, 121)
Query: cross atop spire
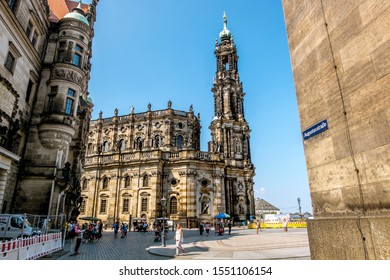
(224, 20)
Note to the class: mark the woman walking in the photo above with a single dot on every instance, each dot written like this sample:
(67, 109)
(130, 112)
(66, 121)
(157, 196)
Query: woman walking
(179, 240)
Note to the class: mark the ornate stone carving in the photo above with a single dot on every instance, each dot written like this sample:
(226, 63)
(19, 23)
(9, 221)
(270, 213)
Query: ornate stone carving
(68, 75)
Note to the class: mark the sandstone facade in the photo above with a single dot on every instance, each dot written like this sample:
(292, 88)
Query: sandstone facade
(340, 59)
(135, 160)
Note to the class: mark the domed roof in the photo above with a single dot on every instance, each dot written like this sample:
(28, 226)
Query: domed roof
(225, 34)
(78, 14)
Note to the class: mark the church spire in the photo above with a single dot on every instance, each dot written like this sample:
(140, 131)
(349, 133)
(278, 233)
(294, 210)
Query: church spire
(229, 129)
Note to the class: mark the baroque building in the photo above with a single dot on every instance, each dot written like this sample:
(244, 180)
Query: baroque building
(133, 161)
(45, 52)
(340, 58)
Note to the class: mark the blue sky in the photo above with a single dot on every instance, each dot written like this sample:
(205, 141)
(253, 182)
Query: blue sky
(154, 51)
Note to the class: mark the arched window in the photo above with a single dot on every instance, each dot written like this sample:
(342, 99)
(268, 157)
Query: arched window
(173, 205)
(122, 145)
(105, 183)
(106, 146)
(127, 182)
(179, 141)
(145, 181)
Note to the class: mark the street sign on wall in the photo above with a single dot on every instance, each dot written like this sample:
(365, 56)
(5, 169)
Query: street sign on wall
(315, 129)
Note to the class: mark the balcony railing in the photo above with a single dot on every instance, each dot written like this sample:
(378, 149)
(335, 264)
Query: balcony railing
(127, 157)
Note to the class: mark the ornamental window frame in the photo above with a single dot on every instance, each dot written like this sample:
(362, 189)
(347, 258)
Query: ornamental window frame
(144, 204)
(103, 205)
(125, 205)
(173, 203)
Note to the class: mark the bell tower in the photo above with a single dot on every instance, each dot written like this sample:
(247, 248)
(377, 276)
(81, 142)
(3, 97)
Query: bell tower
(229, 130)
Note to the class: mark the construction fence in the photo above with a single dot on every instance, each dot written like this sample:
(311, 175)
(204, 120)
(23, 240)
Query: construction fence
(31, 248)
(297, 224)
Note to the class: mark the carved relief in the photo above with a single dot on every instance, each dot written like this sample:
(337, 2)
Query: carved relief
(68, 75)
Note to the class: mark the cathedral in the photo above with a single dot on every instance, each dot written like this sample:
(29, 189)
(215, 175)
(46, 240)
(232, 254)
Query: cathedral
(149, 164)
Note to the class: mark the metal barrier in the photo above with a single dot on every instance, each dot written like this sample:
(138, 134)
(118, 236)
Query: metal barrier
(31, 248)
(297, 224)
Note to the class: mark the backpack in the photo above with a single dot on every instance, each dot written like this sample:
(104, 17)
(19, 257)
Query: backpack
(72, 233)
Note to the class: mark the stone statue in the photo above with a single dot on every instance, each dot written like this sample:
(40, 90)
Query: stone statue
(237, 146)
(205, 207)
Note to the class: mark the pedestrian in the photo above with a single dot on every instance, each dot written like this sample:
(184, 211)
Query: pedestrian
(201, 228)
(179, 240)
(76, 240)
(126, 228)
(257, 226)
(285, 224)
(207, 228)
(230, 226)
(122, 229)
(68, 227)
(116, 228)
(100, 229)
(144, 227)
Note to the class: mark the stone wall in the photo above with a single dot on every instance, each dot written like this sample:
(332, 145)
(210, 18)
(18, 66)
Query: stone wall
(340, 55)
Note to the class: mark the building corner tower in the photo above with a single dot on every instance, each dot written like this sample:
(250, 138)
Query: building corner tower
(49, 181)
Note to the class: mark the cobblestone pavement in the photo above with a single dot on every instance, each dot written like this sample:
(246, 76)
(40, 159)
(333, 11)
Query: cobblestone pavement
(132, 247)
(241, 244)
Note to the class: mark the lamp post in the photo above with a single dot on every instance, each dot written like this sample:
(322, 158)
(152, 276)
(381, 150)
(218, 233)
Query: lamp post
(163, 204)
